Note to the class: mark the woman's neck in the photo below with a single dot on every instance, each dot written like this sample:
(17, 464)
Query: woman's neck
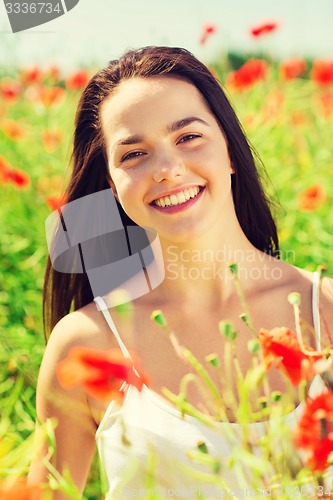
(199, 271)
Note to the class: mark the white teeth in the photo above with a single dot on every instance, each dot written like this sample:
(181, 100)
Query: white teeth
(187, 195)
(177, 199)
(181, 198)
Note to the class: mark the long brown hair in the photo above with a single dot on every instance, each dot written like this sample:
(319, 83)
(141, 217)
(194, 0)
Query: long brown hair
(90, 174)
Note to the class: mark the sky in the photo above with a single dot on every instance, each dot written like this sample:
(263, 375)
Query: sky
(96, 31)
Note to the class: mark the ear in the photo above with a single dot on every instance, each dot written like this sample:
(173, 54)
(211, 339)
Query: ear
(232, 169)
(113, 187)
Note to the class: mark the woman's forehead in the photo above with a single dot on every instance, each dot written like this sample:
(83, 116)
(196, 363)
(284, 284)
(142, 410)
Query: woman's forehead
(143, 98)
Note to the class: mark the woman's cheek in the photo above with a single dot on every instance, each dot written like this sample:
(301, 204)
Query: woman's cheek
(121, 183)
(127, 192)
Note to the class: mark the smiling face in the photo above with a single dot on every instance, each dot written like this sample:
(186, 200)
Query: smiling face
(168, 157)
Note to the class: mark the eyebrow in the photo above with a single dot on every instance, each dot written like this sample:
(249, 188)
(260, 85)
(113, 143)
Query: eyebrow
(135, 139)
(185, 121)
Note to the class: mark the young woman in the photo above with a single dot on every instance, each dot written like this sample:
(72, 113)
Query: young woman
(157, 128)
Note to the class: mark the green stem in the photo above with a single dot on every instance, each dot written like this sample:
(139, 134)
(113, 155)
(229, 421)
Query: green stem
(230, 396)
(62, 484)
(299, 332)
(202, 372)
(187, 408)
(242, 298)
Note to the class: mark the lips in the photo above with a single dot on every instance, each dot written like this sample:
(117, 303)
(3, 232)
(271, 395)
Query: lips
(178, 198)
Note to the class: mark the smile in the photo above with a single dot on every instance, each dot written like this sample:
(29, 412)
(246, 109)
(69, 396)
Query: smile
(178, 198)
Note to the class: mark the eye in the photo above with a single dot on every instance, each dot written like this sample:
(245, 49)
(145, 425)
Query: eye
(131, 155)
(188, 137)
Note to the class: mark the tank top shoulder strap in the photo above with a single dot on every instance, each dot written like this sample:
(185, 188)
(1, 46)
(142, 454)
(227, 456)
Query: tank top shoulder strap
(101, 305)
(315, 307)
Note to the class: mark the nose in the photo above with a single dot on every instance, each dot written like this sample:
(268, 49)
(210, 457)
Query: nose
(167, 167)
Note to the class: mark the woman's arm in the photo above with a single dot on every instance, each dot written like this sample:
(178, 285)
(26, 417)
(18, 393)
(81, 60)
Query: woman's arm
(75, 429)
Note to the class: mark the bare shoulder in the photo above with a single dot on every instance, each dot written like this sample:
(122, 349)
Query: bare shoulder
(325, 302)
(327, 291)
(84, 327)
(302, 280)
(290, 278)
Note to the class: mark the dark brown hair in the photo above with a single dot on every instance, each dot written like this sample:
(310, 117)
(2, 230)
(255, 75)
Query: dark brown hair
(90, 174)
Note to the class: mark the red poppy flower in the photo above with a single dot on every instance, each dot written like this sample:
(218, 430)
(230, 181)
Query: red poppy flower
(314, 431)
(13, 130)
(208, 30)
(77, 80)
(10, 90)
(19, 490)
(281, 345)
(263, 29)
(19, 178)
(292, 68)
(101, 373)
(5, 170)
(322, 72)
(31, 76)
(51, 96)
(55, 202)
(52, 139)
(252, 71)
(310, 199)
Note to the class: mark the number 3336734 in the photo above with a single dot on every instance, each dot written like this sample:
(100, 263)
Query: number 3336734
(32, 8)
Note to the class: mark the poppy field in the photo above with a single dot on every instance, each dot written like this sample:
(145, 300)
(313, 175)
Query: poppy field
(286, 110)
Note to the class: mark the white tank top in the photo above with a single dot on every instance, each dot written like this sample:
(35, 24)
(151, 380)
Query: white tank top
(147, 435)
